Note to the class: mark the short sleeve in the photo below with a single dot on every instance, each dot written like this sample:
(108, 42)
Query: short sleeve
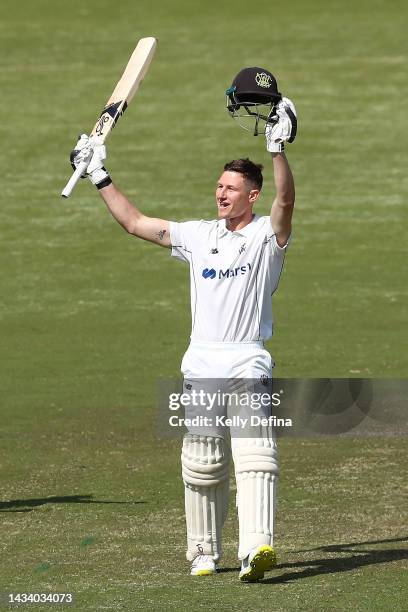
(275, 246)
(182, 236)
(271, 239)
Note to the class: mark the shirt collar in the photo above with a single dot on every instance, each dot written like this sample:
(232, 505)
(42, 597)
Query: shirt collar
(247, 231)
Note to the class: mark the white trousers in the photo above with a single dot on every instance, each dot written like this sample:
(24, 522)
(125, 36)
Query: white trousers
(226, 360)
(229, 368)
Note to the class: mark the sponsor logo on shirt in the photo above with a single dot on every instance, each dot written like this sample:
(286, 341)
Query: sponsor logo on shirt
(228, 273)
(209, 273)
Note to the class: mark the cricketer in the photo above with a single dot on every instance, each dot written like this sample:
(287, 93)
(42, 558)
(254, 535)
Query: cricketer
(235, 265)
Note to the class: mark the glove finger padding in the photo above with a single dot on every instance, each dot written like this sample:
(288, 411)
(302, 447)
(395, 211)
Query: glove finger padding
(284, 130)
(81, 152)
(290, 112)
(83, 141)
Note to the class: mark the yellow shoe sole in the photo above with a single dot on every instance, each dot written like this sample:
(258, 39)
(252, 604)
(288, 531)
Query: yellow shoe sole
(204, 572)
(263, 561)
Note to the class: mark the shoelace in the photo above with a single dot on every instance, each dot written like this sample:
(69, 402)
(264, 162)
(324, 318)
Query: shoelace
(201, 555)
(200, 550)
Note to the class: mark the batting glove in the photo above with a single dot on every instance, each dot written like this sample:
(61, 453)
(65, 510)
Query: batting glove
(284, 130)
(95, 154)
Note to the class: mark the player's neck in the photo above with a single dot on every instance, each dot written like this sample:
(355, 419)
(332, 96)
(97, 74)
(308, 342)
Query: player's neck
(238, 223)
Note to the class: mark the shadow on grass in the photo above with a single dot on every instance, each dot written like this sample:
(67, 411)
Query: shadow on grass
(28, 505)
(341, 547)
(319, 566)
(357, 558)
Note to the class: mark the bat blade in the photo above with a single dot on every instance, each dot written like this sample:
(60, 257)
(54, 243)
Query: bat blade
(121, 97)
(126, 88)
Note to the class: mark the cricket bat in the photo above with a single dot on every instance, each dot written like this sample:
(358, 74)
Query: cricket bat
(120, 99)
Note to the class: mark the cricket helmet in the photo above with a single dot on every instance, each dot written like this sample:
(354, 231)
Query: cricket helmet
(252, 99)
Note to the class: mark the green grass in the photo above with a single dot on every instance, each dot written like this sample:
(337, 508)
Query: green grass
(95, 511)
(90, 318)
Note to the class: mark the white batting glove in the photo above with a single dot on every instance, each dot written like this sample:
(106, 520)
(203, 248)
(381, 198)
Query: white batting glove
(87, 150)
(284, 130)
(81, 152)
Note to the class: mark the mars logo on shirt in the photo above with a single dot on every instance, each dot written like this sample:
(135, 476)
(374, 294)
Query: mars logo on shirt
(228, 273)
(209, 273)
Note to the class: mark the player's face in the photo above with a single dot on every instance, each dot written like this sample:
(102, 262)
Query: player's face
(234, 196)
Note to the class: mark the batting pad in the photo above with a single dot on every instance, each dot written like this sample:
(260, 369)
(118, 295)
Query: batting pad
(205, 470)
(256, 472)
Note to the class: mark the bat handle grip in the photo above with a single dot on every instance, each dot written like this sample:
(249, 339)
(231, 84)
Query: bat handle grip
(66, 192)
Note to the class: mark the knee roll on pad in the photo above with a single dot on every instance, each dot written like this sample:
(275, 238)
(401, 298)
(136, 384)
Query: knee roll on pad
(205, 470)
(256, 471)
(205, 460)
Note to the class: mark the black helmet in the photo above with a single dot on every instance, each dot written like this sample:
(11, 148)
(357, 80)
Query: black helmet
(251, 89)
(255, 85)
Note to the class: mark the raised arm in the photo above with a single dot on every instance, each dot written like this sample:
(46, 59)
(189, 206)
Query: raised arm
(284, 130)
(125, 213)
(283, 205)
(132, 220)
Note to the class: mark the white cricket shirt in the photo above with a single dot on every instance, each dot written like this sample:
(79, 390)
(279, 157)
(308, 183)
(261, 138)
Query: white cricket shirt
(232, 277)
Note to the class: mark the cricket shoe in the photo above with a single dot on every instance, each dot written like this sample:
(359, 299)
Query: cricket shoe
(260, 560)
(203, 565)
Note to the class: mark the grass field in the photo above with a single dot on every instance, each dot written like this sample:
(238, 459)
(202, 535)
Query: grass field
(91, 500)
